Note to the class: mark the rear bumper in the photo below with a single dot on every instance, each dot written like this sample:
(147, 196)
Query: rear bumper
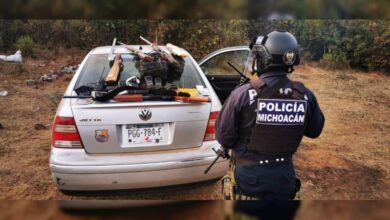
(98, 174)
(90, 179)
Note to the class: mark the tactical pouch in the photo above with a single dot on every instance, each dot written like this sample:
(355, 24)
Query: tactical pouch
(175, 70)
(157, 68)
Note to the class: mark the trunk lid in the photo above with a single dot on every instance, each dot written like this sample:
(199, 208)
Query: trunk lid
(116, 127)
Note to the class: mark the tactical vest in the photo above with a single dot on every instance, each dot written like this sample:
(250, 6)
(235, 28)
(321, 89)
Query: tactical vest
(281, 119)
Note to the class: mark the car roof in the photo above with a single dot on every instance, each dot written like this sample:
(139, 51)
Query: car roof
(225, 49)
(122, 49)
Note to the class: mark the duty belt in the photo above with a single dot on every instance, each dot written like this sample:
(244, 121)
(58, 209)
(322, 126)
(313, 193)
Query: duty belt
(239, 161)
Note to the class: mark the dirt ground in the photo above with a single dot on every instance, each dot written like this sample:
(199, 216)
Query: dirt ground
(213, 210)
(349, 161)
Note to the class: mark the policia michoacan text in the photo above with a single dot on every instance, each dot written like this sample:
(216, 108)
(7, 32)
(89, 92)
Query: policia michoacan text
(264, 121)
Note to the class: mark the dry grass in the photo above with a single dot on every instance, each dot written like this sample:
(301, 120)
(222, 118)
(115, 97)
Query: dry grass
(351, 158)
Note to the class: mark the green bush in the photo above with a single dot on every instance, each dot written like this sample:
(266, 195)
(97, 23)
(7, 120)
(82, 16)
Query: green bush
(334, 60)
(358, 44)
(25, 44)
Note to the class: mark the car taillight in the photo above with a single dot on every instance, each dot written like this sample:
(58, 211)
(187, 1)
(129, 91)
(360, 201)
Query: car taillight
(210, 130)
(65, 133)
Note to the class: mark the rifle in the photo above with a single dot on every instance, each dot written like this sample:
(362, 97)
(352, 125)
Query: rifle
(221, 152)
(111, 55)
(116, 61)
(244, 79)
(165, 54)
(192, 99)
(153, 97)
(143, 56)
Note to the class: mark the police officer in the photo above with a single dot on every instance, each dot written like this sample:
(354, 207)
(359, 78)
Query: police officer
(264, 121)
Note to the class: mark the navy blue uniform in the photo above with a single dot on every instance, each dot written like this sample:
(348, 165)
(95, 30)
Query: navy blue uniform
(271, 181)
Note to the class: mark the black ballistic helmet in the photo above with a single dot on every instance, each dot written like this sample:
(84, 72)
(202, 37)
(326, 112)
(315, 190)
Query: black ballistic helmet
(277, 50)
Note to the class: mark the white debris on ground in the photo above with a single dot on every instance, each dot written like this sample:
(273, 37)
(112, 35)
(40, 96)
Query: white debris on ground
(17, 57)
(3, 93)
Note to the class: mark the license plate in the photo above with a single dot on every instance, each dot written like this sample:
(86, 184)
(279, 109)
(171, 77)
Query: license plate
(145, 134)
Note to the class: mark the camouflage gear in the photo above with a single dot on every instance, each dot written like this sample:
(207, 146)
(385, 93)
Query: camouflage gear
(230, 189)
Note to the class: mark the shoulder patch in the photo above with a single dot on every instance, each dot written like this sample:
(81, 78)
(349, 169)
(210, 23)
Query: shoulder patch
(298, 86)
(298, 90)
(252, 95)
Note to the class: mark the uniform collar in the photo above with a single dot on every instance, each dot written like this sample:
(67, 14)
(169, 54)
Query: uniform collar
(273, 74)
(271, 78)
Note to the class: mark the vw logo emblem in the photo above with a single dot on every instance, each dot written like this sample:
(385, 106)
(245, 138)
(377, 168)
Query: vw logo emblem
(145, 114)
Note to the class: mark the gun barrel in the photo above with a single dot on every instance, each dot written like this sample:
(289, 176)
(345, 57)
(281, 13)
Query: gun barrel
(113, 45)
(212, 164)
(121, 43)
(240, 73)
(222, 152)
(146, 41)
(135, 50)
(77, 97)
(111, 56)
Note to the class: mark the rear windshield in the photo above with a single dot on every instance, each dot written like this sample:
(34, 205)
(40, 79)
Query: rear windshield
(97, 67)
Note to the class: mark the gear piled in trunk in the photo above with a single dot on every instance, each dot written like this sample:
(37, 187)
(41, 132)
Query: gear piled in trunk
(157, 69)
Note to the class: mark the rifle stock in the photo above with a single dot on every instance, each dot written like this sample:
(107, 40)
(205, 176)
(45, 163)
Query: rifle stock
(192, 99)
(128, 98)
(177, 50)
(113, 75)
(166, 54)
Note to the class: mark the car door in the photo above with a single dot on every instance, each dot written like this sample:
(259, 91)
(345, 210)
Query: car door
(222, 77)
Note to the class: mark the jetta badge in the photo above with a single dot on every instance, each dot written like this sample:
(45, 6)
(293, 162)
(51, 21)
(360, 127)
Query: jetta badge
(101, 135)
(145, 114)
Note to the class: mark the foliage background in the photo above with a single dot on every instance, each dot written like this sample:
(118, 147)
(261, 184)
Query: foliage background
(360, 44)
(195, 9)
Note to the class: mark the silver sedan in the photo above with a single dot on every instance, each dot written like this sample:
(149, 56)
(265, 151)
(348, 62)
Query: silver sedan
(129, 145)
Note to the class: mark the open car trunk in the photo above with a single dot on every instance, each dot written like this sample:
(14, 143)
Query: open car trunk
(113, 127)
(117, 127)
